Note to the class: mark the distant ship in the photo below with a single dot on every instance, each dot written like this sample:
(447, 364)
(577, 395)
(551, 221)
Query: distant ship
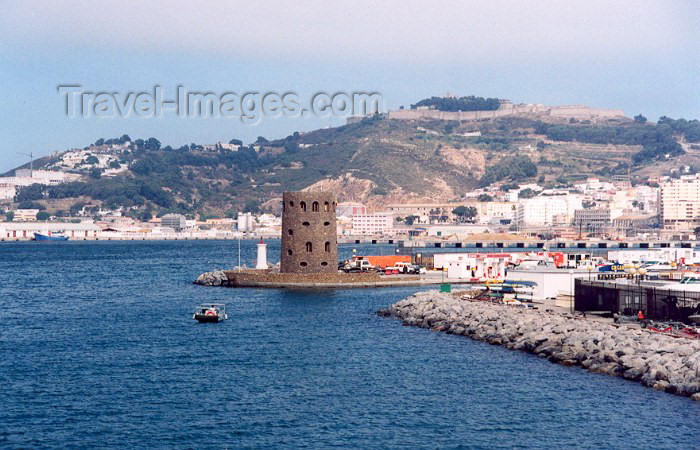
(50, 237)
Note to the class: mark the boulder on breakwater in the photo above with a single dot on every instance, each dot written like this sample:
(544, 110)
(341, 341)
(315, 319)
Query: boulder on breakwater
(658, 361)
(215, 278)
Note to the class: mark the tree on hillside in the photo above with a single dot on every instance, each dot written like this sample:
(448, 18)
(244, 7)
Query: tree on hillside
(152, 144)
(640, 119)
(42, 216)
(9, 216)
(31, 205)
(527, 193)
(145, 216)
(291, 147)
(76, 208)
(410, 220)
(514, 168)
(485, 198)
(470, 103)
(465, 213)
(252, 206)
(29, 193)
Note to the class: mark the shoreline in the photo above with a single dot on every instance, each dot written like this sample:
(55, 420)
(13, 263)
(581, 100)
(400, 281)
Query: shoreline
(170, 238)
(657, 361)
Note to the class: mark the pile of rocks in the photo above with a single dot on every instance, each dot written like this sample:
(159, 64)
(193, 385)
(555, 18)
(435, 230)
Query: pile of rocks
(658, 361)
(216, 278)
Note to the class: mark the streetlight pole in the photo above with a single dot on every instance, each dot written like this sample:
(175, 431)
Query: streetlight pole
(571, 290)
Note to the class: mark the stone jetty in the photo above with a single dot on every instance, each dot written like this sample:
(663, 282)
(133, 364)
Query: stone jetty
(215, 278)
(658, 361)
(272, 278)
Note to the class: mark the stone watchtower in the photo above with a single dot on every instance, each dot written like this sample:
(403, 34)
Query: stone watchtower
(309, 242)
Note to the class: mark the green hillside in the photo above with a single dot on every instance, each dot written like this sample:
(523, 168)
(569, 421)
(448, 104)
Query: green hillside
(373, 159)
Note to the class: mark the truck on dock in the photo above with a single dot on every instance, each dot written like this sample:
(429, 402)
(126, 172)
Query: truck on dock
(384, 261)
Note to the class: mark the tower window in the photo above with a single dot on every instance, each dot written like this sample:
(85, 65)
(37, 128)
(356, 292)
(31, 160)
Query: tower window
(326, 207)
(309, 247)
(328, 247)
(290, 232)
(291, 204)
(289, 252)
(314, 207)
(325, 224)
(303, 264)
(324, 263)
(303, 206)
(306, 224)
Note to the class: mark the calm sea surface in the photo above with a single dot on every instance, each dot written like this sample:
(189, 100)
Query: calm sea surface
(98, 349)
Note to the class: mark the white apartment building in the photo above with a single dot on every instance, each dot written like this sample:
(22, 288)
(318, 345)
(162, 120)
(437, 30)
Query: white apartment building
(495, 211)
(7, 191)
(377, 223)
(26, 177)
(245, 222)
(547, 210)
(419, 209)
(593, 185)
(679, 203)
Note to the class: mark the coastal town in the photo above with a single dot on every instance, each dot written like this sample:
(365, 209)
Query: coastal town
(662, 209)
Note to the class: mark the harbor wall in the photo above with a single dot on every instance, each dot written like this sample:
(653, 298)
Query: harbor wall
(658, 361)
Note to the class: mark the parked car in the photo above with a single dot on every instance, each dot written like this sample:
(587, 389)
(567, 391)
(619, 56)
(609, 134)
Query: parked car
(406, 267)
(359, 265)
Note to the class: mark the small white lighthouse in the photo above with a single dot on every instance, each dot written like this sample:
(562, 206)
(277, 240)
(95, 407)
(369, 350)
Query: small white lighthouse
(262, 256)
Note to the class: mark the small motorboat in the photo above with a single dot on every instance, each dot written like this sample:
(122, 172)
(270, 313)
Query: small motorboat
(210, 313)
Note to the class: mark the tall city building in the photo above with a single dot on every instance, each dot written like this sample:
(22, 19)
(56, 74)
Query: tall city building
(679, 203)
(547, 210)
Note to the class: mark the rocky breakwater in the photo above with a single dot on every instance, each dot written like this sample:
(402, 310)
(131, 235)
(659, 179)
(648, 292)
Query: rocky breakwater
(215, 278)
(662, 362)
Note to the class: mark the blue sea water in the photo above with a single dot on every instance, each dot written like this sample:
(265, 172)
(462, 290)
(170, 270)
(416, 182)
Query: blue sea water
(98, 349)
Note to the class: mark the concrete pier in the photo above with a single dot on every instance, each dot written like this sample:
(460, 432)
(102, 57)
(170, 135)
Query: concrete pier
(271, 279)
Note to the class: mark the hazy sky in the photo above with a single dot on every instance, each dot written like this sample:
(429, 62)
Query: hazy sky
(640, 56)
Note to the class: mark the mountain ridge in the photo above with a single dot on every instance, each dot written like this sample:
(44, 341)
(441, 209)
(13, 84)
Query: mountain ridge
(375, 160)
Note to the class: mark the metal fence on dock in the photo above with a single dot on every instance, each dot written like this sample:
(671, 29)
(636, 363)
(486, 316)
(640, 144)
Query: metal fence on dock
(629, 298)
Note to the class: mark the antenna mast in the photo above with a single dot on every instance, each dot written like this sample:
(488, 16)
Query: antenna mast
(31, 162)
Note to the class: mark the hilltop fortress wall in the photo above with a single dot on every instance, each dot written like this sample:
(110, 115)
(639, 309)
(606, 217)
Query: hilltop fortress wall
(580, 112)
